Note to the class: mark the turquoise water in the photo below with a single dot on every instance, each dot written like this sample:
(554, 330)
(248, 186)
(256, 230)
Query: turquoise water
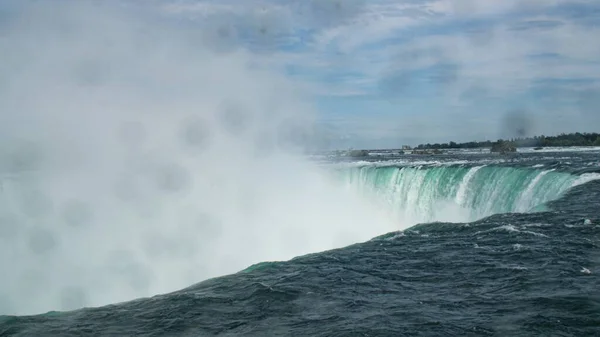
(454, 193)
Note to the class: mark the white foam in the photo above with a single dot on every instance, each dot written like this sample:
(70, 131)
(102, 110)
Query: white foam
(462, 189)
(586, 177)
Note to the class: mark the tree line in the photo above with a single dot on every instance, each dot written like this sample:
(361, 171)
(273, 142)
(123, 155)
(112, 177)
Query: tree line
(563, 139)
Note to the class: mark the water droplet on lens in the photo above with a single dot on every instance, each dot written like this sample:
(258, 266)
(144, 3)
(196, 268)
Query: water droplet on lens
(26, 156)
(233, 119)
(194, 133)
(173, 178)
(42, 241)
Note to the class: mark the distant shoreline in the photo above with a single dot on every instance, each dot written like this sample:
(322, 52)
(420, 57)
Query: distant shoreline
(502, 146)
(469, 148)
(561, 140)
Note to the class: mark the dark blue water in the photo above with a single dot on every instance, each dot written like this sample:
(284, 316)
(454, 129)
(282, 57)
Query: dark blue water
(508, 274)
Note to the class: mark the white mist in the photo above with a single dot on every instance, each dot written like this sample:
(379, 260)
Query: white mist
(138, 159)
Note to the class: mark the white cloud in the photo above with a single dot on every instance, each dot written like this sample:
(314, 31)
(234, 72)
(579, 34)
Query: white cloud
(366, 46)
(378, 22)
(500, 56)
(477, 8)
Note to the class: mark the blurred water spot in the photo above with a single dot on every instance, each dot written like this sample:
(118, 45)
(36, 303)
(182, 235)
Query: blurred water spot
(225, 32)
(72, 298)
(173, 178)
(393, 85)
(333, 12)
(131, 133)
(265, 30)
(221, 35)
(194, 133)
(77, 213)
(25, 156)
(233, 118)
(517, 123)
(42, 241)
(263, 35)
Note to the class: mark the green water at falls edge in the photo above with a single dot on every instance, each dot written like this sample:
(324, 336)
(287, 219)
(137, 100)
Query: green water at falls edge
(461, 194)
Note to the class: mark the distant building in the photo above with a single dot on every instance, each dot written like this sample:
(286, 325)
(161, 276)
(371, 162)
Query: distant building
(406, 147)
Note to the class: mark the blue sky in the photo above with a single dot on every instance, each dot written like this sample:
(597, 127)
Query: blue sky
(383, 73)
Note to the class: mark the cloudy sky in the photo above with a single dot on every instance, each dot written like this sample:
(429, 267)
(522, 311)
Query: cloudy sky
(383, 73)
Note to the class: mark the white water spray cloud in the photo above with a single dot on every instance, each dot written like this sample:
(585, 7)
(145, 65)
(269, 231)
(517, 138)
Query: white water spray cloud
(137, 158)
